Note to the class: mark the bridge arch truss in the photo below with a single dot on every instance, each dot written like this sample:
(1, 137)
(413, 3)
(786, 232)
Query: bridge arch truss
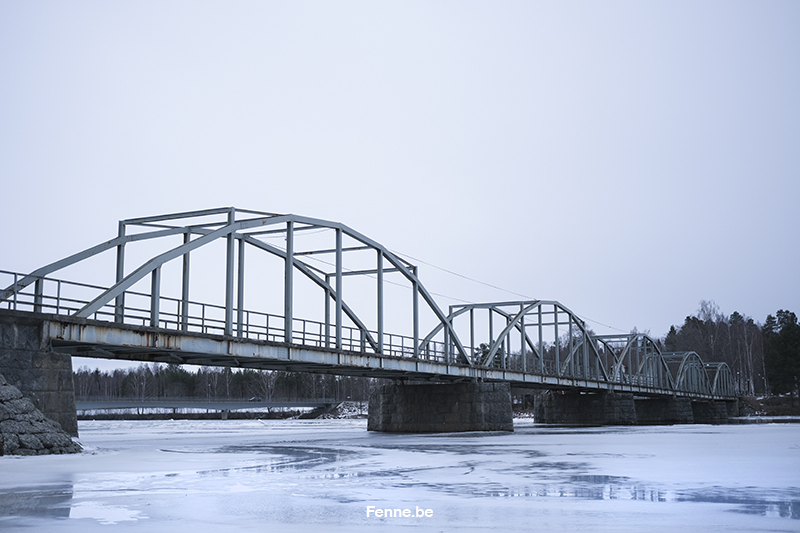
(530, 341)
(341, 328)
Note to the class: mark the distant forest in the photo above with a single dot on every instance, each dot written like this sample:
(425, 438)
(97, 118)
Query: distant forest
(157, 380)
(764, 359)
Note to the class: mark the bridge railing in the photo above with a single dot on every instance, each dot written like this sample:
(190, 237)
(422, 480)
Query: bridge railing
(61, 297)
(48, 295)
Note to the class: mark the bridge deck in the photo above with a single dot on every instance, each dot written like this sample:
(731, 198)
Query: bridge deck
(87, 338)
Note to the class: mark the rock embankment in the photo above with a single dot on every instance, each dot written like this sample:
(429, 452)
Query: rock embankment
(346, 410)
(24, 430)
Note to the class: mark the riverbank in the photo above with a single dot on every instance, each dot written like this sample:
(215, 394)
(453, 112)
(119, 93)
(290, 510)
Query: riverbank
(341, 410)
(769, 405)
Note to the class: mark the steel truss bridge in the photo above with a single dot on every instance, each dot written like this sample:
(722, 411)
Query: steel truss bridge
(535, 343)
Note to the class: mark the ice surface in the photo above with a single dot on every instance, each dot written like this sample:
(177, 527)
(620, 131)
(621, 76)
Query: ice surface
(321, 475)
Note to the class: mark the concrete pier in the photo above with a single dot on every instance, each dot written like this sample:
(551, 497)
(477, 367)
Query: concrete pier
(441, 408)
(612, 408)
(664, 411)
(597, 409)
(710, 412)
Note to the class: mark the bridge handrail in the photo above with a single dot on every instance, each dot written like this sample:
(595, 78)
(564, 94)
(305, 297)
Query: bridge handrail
(305, 332)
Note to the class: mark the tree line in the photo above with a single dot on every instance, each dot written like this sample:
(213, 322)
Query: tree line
(158, 380)
(763, 359)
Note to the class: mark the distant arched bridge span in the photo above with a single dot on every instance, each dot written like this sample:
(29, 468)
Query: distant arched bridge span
(136, 316)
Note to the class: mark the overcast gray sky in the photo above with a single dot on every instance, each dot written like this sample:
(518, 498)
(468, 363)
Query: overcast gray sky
(628, 159)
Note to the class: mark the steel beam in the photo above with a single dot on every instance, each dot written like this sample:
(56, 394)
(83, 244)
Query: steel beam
(415, 303)
(184, 285)
(328, 296)
(338, 310)
(379, 310)
(155, 297)
(558, 341)
(240, 291)
(229, 275)
(119, 305)
(523, 345)
(38, 293)
(288, 285)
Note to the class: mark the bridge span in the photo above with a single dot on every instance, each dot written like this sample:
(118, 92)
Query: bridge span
(146, 314)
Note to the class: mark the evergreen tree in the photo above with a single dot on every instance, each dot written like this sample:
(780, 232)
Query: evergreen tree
(781, 336)
(671, 340)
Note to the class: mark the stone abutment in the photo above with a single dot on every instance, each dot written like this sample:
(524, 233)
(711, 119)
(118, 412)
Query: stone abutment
(29, 364)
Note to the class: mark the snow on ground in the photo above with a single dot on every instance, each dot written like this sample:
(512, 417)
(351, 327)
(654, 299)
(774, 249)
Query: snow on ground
(347, 410)
(324, 475)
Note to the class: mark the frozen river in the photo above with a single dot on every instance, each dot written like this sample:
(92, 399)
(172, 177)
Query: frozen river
(324, 475)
